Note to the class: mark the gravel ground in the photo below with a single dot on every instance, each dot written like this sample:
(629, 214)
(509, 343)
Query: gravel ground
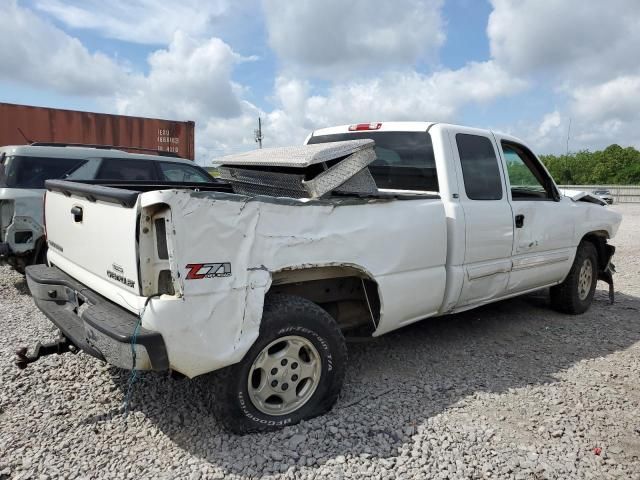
(511, 390)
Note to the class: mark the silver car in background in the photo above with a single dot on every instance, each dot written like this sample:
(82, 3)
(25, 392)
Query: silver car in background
(604, 195)
(24, 169)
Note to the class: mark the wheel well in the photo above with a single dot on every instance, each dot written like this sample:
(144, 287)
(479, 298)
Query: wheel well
(599, 241)
(348, 294)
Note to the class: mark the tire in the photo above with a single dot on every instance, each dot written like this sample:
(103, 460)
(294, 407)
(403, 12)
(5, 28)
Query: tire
(244, 397)
(575, 294)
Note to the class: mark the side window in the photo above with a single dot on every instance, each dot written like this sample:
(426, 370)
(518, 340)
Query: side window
(32, 172)
(86, 171)
(528, 181)
(126, 169)
(479, 167)
(178, 172)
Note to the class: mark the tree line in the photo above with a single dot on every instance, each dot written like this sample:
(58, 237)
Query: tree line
(612, 166)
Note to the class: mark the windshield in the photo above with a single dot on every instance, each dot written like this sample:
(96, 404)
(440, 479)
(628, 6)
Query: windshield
(31, 172)
(405, 160)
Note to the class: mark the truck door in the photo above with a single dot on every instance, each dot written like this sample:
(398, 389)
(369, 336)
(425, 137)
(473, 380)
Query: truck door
(487, 212)
(543, 220)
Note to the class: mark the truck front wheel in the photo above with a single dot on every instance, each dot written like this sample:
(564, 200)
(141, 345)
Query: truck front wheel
(575, 294)
(294, 370)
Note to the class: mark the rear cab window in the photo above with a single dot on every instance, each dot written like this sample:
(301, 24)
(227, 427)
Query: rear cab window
(405, 160)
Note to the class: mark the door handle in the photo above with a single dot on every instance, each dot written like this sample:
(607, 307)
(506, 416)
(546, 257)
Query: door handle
(519, 221)
(77, 213)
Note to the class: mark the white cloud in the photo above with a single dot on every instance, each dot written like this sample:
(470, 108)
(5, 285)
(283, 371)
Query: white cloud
(588, 51)
(409, 95)
(334, 38)
(39, 54)
(600, 115)
(576, 39)
(188, 80)
(139, 21)
(618, 99)
(606, 113)
(366, 53)
(392, 96)
(550, 123)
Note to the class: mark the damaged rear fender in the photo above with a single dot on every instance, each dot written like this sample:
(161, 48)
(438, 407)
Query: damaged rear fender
(347, 291)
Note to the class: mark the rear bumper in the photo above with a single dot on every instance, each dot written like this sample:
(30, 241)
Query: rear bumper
(94, 324)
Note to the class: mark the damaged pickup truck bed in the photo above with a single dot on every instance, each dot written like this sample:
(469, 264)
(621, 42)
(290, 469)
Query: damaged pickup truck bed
(260, 280)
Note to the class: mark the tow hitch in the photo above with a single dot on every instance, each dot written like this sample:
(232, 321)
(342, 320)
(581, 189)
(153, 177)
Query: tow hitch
(58, 347)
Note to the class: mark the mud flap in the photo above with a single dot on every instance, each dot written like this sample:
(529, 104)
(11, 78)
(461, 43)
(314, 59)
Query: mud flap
(607, 276)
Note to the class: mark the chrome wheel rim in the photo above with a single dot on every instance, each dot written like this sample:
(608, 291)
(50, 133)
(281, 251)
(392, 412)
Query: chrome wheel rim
(585, 278)
(284, 375)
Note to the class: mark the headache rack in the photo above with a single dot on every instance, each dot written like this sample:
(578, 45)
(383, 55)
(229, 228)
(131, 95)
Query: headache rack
(161, 153)
(306, 171)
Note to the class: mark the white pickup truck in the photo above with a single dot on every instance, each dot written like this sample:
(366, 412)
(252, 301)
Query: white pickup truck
(260, 280)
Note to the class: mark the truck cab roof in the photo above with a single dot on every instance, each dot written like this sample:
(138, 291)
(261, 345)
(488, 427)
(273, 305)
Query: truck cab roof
(383, 126)
(400, 126)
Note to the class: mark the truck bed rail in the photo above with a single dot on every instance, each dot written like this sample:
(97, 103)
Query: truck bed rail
(124, 192)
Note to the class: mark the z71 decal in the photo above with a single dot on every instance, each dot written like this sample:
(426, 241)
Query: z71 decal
(198, 271)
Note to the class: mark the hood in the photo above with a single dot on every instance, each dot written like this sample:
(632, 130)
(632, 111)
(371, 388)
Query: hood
(582, 196)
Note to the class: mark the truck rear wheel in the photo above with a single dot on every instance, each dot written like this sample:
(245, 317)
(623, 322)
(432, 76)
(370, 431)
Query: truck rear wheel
(294, 370)
(575, 294)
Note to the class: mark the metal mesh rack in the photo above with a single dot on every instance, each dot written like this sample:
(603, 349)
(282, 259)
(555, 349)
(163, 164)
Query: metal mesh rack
(307, 171)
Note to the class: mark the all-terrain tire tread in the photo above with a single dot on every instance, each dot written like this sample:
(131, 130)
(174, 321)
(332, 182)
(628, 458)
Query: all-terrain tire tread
(564, 297)
(222, 397)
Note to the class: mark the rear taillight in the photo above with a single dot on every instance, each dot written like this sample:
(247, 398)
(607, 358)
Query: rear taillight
(161, 239)
(156, 252)
(165, 283)
(44, 215)
(365, 126)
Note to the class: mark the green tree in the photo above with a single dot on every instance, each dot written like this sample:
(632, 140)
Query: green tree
(613, 165)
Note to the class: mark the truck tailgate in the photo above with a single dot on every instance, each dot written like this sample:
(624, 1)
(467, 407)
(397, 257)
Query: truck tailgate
(92, 236)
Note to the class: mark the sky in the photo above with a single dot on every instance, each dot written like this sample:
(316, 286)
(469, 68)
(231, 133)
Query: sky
(524, 67)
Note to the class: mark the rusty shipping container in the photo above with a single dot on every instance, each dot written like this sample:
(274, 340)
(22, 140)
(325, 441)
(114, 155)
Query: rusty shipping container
(42, 124)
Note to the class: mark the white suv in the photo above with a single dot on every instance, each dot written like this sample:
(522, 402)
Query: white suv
(24, 169)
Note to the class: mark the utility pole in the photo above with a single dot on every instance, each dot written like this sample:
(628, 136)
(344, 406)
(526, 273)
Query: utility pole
(258, 133)
(567, 174)
(568, 135)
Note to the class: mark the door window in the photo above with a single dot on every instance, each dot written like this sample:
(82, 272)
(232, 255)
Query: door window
(126, 169)
(527, 178)
(86, 171)
(479, 167)
(178, 172)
